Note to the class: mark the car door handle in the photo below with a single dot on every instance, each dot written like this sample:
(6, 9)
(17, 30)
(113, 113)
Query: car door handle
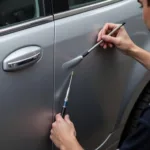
(22, 58)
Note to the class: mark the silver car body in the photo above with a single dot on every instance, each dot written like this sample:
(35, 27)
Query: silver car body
(105, 86)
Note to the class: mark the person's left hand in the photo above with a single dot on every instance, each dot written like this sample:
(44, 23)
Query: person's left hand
(63, 132)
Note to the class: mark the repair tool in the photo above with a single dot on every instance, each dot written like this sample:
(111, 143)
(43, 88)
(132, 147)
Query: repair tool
(66, 97)
(73, 62)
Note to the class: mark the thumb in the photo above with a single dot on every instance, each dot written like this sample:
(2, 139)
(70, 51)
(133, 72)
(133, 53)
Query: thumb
(67, 119)
(110, 39)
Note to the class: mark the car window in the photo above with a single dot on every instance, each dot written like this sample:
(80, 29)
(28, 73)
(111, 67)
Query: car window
(16, 11)
(65, 5)
(80, 3)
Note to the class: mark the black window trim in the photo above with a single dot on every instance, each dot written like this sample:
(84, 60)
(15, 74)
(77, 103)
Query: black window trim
(25, 25)
(79, 10)
(29, 23)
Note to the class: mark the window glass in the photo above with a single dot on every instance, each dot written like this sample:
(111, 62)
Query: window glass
(80, 3)
(16, 11)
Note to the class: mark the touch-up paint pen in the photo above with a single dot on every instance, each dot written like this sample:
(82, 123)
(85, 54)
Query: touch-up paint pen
(63, 112)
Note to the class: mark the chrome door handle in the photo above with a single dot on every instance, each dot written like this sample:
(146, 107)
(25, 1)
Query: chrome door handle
(22, 58)
(23, 61)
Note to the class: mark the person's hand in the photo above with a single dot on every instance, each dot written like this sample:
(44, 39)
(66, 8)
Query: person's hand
(63, 133)
(120, 39)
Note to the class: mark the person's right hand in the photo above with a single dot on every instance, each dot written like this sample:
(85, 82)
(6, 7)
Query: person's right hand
(120, 39)
(63, 134)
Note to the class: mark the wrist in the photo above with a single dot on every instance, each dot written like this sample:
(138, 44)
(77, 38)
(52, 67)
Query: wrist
(133, 49)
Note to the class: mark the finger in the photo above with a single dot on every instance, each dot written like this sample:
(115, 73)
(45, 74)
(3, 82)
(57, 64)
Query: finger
(59, 117)
(54, 125)
(110, 45)
(67, 119)
(111, 39)
(105, 46)
(108, 27)
(51, 137)
(55, 141)
(52, 132)
(111, 26)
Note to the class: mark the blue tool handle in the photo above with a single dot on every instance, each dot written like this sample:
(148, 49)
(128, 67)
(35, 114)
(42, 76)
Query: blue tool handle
(63, 112)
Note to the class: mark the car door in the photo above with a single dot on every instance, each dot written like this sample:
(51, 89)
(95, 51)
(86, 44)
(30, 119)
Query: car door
(26, 74)
(100, 80)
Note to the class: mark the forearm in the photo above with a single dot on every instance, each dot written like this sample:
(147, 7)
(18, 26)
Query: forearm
(141, 56)
(71, 145)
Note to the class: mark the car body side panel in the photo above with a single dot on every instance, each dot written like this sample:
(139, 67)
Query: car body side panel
(138, 81)
(26, 96)
(114, 138)
(100, 81)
